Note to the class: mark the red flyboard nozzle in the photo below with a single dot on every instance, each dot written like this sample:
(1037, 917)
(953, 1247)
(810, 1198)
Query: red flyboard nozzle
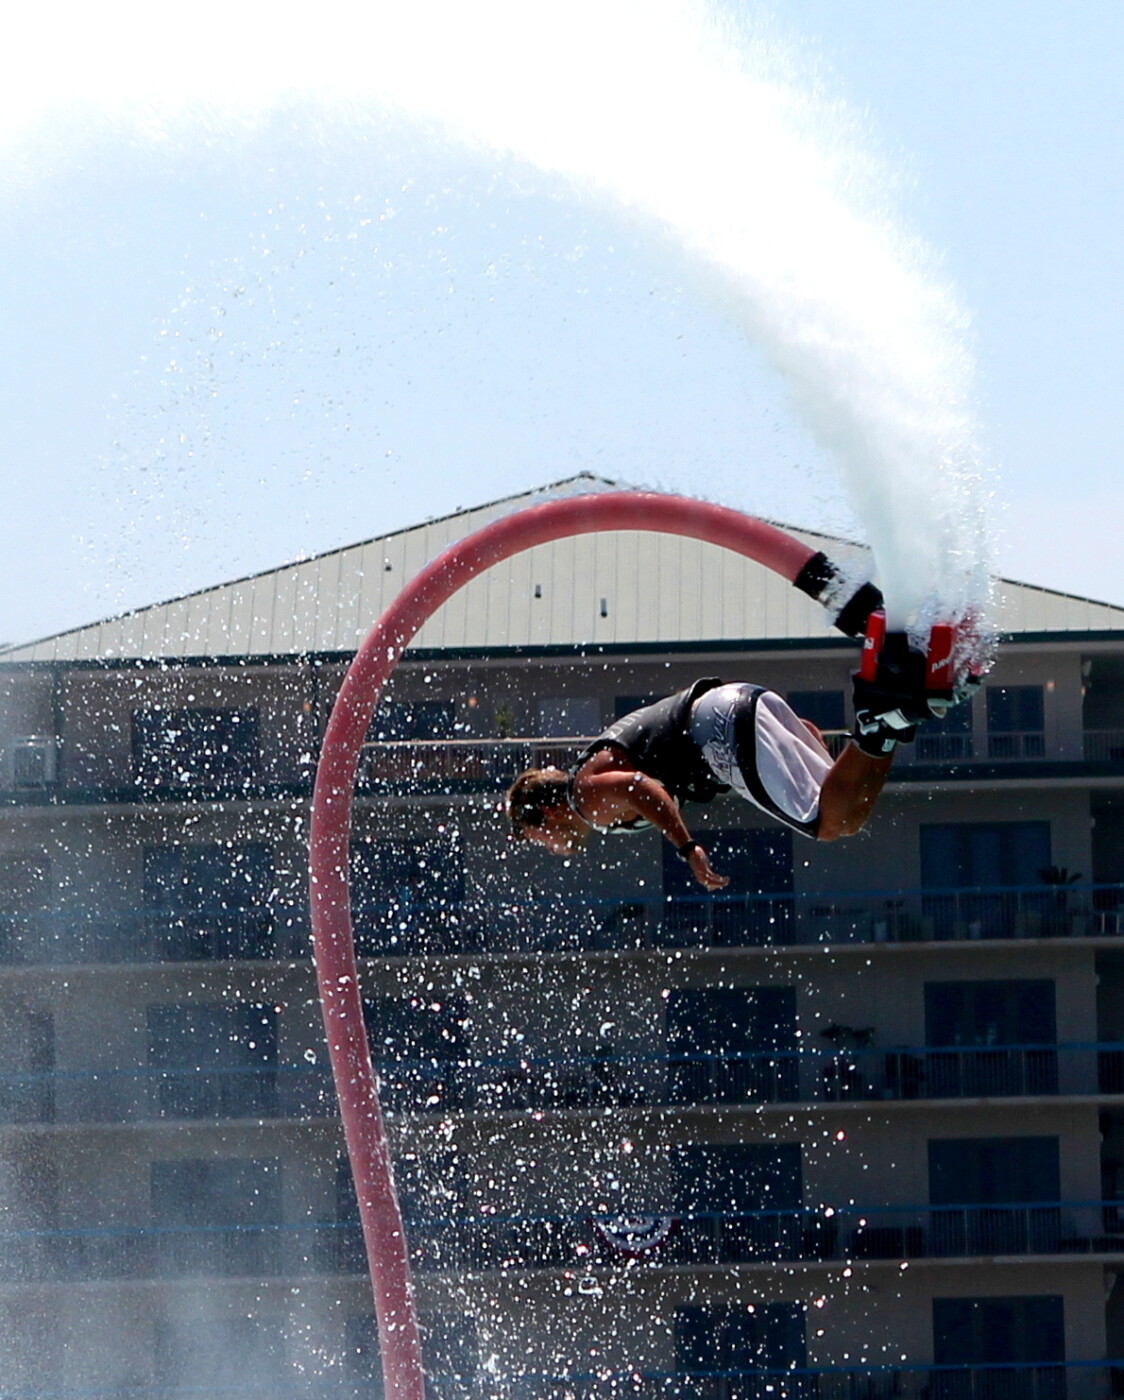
(872, 644)
(938, 665)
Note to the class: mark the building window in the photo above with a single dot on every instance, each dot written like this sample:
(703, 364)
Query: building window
(990, 875)
(827, 709)
(625, 704)
(406, 895)
(732, 1045)
(220, 1214)
(739, 1201)
(208, 747)
(758, 861)
(419, 1046)
(569, 716)
(1102, 708)
(402, 721)
(215, 1061)
(949, 739)
(999, 1037)
(1015, 721)
(25, 893)
(995, 1195)
(1016, 1011)
(716, 1346)
(210, 901)
(1000, 1332)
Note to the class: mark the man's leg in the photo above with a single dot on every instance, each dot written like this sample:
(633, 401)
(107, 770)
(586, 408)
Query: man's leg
(850, 791)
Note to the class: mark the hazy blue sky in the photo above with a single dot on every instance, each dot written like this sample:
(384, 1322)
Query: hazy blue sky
(231, 339)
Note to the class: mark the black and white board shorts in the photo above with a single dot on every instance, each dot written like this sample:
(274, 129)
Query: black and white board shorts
(755, 744)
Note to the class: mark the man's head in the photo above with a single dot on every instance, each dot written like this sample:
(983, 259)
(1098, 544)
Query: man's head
(538, 807)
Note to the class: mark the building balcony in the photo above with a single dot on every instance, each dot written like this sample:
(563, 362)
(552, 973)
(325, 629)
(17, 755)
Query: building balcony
(487, 1243)
(708, 1239)
(458, 767)
(573, 1083)
(1016, 1380)
(486, 927)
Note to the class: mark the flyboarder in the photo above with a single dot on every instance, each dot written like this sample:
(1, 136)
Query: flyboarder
(713, 737)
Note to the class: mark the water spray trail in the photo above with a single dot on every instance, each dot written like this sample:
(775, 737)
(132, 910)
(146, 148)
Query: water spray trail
(660, 108)
(711, 134)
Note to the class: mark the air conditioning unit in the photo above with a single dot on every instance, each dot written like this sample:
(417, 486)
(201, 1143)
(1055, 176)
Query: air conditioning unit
(32, 761)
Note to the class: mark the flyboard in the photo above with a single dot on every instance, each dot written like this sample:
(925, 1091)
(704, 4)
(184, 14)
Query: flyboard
(949, 663)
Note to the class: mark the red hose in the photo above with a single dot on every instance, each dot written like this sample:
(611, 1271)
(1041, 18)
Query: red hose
(334, 949)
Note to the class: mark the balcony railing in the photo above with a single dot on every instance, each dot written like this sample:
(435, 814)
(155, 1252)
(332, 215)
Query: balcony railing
(527, 925)
(454, 767)
(558, 1083)
(1016, 1380)
(1013, 1380)
(487, 1242)
(713, 1239)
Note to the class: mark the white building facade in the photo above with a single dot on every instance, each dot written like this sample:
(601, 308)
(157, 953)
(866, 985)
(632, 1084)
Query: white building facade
(855, 1126)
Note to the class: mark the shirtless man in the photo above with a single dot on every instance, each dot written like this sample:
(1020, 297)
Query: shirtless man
(714, 737)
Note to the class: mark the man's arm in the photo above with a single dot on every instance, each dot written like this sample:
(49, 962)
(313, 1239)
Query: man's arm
(621, 795)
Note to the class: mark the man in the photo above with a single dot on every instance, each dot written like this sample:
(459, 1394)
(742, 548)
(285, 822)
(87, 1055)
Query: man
(713, 737)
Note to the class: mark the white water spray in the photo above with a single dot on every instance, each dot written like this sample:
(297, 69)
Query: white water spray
(706, 134)
(662, 108)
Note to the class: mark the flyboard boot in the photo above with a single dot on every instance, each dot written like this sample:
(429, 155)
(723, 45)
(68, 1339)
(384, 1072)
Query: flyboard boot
(897, 686)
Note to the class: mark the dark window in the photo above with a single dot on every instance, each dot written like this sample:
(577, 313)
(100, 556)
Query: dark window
(417, 1045)
(220, 1212)
(738, 1176)
(971, 855)
(948, 738)
(25, 890)
(200, 747)
(216, 1061)
(1015, 721)
(995, 1196)
(210, 901)
(739, 1201)
(984, 860)
(983, 1018)
(406, 894)
(998, 1331)
(827, 709)
(1103, 701)
(720, 1043)
(758, 861)
(1017, 1011)
(727, 1342)
(990, 1171)
(413, 719)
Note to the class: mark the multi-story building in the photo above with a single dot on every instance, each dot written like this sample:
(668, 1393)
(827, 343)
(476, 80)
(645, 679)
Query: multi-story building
(854, 1126)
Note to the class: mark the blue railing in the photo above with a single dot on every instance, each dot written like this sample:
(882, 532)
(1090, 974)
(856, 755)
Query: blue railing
(523, 924)
(507, 1084)
(487, 1242)
(1015, 1380)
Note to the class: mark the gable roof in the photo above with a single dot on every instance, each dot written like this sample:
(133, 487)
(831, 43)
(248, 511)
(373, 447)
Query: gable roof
(611, 589)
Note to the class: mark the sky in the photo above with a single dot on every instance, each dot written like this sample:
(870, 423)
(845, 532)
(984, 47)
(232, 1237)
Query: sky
(252, 311)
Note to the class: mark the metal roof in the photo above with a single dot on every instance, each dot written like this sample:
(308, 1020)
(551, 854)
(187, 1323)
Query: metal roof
(610, 589)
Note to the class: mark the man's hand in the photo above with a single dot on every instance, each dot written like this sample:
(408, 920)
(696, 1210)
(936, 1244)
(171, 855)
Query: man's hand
(704, 872)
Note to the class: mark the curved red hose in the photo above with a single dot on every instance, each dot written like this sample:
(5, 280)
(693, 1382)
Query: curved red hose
(334, 949)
